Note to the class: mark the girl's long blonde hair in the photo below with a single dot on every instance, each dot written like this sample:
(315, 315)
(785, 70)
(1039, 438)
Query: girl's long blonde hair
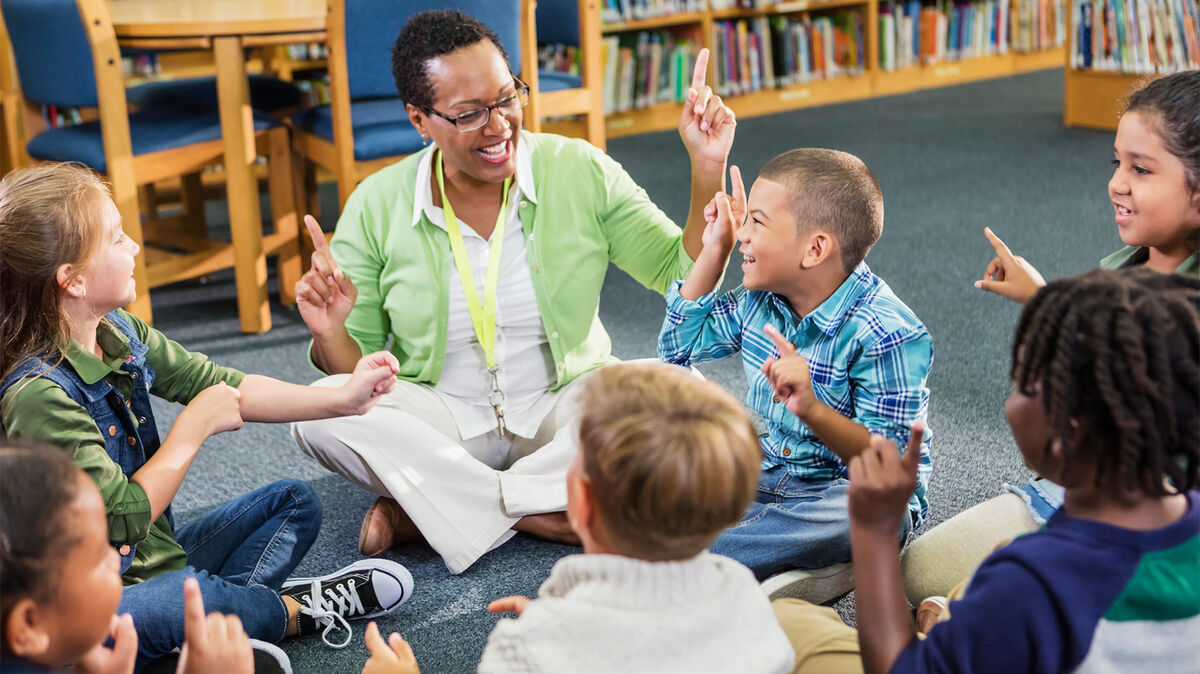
(50, 215)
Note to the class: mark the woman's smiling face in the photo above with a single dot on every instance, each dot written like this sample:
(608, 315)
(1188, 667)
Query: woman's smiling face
(468, 79)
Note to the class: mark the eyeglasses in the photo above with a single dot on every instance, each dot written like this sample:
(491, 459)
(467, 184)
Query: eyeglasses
(479, 117)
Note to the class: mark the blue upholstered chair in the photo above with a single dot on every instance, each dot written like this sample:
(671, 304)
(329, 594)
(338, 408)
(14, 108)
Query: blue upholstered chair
(67, 55)
(576, 23)
(366, 127)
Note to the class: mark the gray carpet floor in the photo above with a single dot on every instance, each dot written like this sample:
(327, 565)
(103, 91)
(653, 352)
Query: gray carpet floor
(950, 161)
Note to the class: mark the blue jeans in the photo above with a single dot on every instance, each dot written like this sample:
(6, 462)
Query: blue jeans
(792, 524)
(241, 552)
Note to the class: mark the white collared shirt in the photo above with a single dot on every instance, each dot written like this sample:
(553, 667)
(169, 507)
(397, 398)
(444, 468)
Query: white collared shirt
(526, 365)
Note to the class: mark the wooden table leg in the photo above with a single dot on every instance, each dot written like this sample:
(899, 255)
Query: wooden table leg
(245, 216)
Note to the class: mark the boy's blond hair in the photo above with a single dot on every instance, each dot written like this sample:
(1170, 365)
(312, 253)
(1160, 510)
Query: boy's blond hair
(672, 460)
(835, 191)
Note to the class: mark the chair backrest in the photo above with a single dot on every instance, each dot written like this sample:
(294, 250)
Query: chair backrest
(558, 22)
(373, 25)
(52, 51)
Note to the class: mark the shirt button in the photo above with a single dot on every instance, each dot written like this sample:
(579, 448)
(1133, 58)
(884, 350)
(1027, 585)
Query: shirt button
(776, 399)
(141, 420)
(112, 430)
(787, 452)
(132, 441)
(124, 550)
(524, 204)
(554, 335)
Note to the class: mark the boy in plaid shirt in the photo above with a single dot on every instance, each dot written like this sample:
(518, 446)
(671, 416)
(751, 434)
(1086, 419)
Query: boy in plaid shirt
(831, 354)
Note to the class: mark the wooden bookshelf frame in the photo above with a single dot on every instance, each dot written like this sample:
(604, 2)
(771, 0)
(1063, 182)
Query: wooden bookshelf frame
(872, 82)
(1092, 98)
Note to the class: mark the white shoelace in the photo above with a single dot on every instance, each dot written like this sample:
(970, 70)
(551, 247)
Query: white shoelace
(332, 611)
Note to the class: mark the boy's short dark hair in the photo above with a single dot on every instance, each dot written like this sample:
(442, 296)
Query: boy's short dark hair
(835, 191)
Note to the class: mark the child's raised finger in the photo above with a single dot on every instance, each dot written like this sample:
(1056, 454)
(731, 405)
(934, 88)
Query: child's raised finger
(737, 189)
(1001, 247)
(374, 641)
(401, 648)
(194, 622)
(785, 347)
(912, 453)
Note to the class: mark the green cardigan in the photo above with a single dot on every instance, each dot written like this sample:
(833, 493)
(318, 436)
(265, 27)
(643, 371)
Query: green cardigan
(588, 212)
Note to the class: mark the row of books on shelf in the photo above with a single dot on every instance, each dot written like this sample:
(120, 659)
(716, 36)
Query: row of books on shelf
(314, 90)
(645, 68)
(766, 53)
(140, 66)
(912, 33)
(616, 11)
(1136, 36)
(310, 51)
(559, 58)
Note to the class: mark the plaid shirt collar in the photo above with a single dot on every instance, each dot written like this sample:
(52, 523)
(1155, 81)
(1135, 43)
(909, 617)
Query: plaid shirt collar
(830, 314)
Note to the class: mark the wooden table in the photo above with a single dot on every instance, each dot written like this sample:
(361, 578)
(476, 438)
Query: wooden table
(227, 27)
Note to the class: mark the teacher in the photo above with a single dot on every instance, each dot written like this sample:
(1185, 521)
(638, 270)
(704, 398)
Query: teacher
(479, 262)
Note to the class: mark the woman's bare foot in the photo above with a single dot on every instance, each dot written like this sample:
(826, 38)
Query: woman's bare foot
(551, 526)
(385, 525)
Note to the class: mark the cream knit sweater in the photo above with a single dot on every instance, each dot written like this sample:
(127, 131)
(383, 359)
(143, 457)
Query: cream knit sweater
(607, 613)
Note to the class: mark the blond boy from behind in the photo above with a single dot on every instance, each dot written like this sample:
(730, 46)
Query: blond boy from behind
(666, 461)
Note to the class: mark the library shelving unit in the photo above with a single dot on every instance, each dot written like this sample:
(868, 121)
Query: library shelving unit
(704, 26)
(1115, 43)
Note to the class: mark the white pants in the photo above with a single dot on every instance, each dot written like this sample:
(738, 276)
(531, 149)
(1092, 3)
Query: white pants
(464, 495)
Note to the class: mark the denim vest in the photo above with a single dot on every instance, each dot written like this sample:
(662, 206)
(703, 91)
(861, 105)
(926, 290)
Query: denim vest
(128, 446)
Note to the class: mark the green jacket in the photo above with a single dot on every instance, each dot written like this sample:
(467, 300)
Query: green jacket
(1131, 256)
(587, 212)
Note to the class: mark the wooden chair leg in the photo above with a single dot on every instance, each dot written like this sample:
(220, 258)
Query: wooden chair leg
(148, 200)
(191, 194)
(126, 198)
(301, 168)
(283, 212)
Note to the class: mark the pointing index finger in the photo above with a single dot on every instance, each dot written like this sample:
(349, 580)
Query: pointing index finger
(737, 188)
(785, 347)
(1001, 247)
(699, 75)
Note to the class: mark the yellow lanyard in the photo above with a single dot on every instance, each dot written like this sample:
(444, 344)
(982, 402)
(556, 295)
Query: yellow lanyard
(483, 316)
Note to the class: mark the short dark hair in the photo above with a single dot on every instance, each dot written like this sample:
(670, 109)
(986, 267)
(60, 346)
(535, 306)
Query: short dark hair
(37, 485)
(1174, 100)
(832, 190)
(1118, 354)
(426, 36)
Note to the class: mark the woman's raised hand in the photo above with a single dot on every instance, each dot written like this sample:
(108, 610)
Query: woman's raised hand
(706, 124)
(324, 295)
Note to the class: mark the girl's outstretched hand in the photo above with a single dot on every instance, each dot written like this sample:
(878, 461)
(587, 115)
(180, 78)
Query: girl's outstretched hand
(1009, 275)
(374, 376)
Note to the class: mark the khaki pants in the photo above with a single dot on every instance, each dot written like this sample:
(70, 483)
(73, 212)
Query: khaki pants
(823, 643)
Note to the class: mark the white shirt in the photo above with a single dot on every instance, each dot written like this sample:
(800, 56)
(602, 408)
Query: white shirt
(526, 365)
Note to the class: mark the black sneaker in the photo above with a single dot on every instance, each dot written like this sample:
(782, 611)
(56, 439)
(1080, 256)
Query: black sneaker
(269, 658)
(366, 589)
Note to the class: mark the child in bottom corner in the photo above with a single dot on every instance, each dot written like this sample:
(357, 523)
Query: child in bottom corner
(809, 308)
(60, 580)
(79, 373)
(1106, 402)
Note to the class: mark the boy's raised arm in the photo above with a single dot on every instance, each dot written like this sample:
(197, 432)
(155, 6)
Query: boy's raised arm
(880, 483)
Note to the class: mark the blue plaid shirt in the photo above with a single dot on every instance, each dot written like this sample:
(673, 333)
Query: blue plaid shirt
(869, 356)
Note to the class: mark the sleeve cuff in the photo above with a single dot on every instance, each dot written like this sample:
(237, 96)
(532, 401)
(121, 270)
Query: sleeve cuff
(678, 304)
(129, 521)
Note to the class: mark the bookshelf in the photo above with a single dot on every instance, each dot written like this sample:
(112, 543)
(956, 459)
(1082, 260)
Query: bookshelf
(855, 71)
(1114, 43)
